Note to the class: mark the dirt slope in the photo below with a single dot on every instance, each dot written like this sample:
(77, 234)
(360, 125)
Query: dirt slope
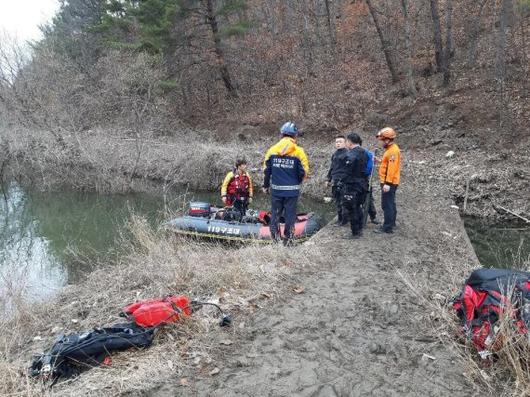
(358, 328)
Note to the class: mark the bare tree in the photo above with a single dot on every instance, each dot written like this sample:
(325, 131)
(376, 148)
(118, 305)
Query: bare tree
(437, 34)
(331, 29)
(387, 48)
(408, 46)
(448, 51)
(474, 33)
(505, 19)
(13, 58)
(211, 17)
(524, 14)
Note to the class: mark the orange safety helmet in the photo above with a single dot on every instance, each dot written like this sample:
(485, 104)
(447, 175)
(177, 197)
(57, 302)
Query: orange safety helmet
(386, 133)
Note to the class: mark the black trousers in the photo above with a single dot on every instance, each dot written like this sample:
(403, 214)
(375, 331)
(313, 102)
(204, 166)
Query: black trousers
(286, 207)
(368, 201)
(372, 213)
(241, 206)
(388, 204)
(336, 192)
(352, 201)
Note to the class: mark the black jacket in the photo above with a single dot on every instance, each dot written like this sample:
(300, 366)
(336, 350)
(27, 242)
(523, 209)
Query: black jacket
(337, 170)
(354, 166)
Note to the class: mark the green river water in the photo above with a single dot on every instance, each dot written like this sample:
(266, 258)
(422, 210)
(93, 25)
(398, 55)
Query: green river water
(505, 245)
(49, 239)
(40, 232)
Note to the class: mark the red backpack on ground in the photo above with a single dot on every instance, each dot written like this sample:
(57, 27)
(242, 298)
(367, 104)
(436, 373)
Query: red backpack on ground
(488, 295)
(155, 312)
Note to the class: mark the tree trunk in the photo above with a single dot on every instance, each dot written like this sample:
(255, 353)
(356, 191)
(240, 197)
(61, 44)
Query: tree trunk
(448, 52)
(384, 43)
(526, 66)
(223, 68)
(437, 34)
(307, 42)
(500, 59)
(331, 30)
(504, 21)
(473, 35)
(408, 46)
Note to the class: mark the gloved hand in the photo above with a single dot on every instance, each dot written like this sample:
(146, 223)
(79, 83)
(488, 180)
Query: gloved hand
(386, 188)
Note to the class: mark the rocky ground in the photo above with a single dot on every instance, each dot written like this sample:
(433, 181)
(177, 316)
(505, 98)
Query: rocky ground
(369, 324)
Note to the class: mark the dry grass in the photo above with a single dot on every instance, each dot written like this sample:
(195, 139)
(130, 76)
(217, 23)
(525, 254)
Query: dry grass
(437, 275)
(157, 264)
(241, 280)
(508, 374)
(505, 374)
(114, 162)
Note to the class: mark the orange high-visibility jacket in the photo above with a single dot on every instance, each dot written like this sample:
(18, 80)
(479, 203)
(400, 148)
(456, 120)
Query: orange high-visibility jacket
(390, 165)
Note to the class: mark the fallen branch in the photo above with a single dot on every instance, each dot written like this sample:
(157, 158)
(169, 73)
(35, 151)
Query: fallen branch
(497, 207)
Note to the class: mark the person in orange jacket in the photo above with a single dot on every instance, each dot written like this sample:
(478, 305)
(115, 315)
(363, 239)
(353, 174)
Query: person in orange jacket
(237, 189)
(389, 174)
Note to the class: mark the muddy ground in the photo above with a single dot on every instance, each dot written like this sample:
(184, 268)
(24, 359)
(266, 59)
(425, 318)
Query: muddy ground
(368, 324)
(369, 320)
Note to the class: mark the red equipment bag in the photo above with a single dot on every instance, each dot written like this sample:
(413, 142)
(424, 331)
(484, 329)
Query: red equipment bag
(488, 295)
(155, 312)
(264, 217)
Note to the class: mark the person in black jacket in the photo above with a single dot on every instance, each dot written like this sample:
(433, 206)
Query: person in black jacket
(354, 183)
(335, 175)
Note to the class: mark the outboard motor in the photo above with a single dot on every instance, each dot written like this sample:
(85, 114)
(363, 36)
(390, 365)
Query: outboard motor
(199, 209)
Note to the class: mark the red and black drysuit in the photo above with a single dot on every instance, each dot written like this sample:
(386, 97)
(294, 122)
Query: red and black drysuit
(237, 188)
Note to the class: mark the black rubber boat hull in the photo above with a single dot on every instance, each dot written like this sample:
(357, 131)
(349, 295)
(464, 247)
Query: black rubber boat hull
(306, 226)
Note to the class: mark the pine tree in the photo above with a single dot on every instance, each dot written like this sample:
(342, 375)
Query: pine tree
(71, 34)
(150, 25)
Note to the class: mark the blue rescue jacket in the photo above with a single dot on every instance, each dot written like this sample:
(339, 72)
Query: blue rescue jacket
(286, 166)
(369, 163)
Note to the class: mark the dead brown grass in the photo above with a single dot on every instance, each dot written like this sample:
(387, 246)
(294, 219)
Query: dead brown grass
(156, 264)
(438, 272)
(508, 373)
(114, 162)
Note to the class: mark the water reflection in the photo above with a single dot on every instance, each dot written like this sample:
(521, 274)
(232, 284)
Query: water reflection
(504, 245)
(39, 231)
(29, 269)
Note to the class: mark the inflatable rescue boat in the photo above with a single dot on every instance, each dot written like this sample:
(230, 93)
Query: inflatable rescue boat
(203, 220)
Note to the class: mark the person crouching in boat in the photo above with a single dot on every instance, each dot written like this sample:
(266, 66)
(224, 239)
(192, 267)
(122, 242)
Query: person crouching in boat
(237, 190)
